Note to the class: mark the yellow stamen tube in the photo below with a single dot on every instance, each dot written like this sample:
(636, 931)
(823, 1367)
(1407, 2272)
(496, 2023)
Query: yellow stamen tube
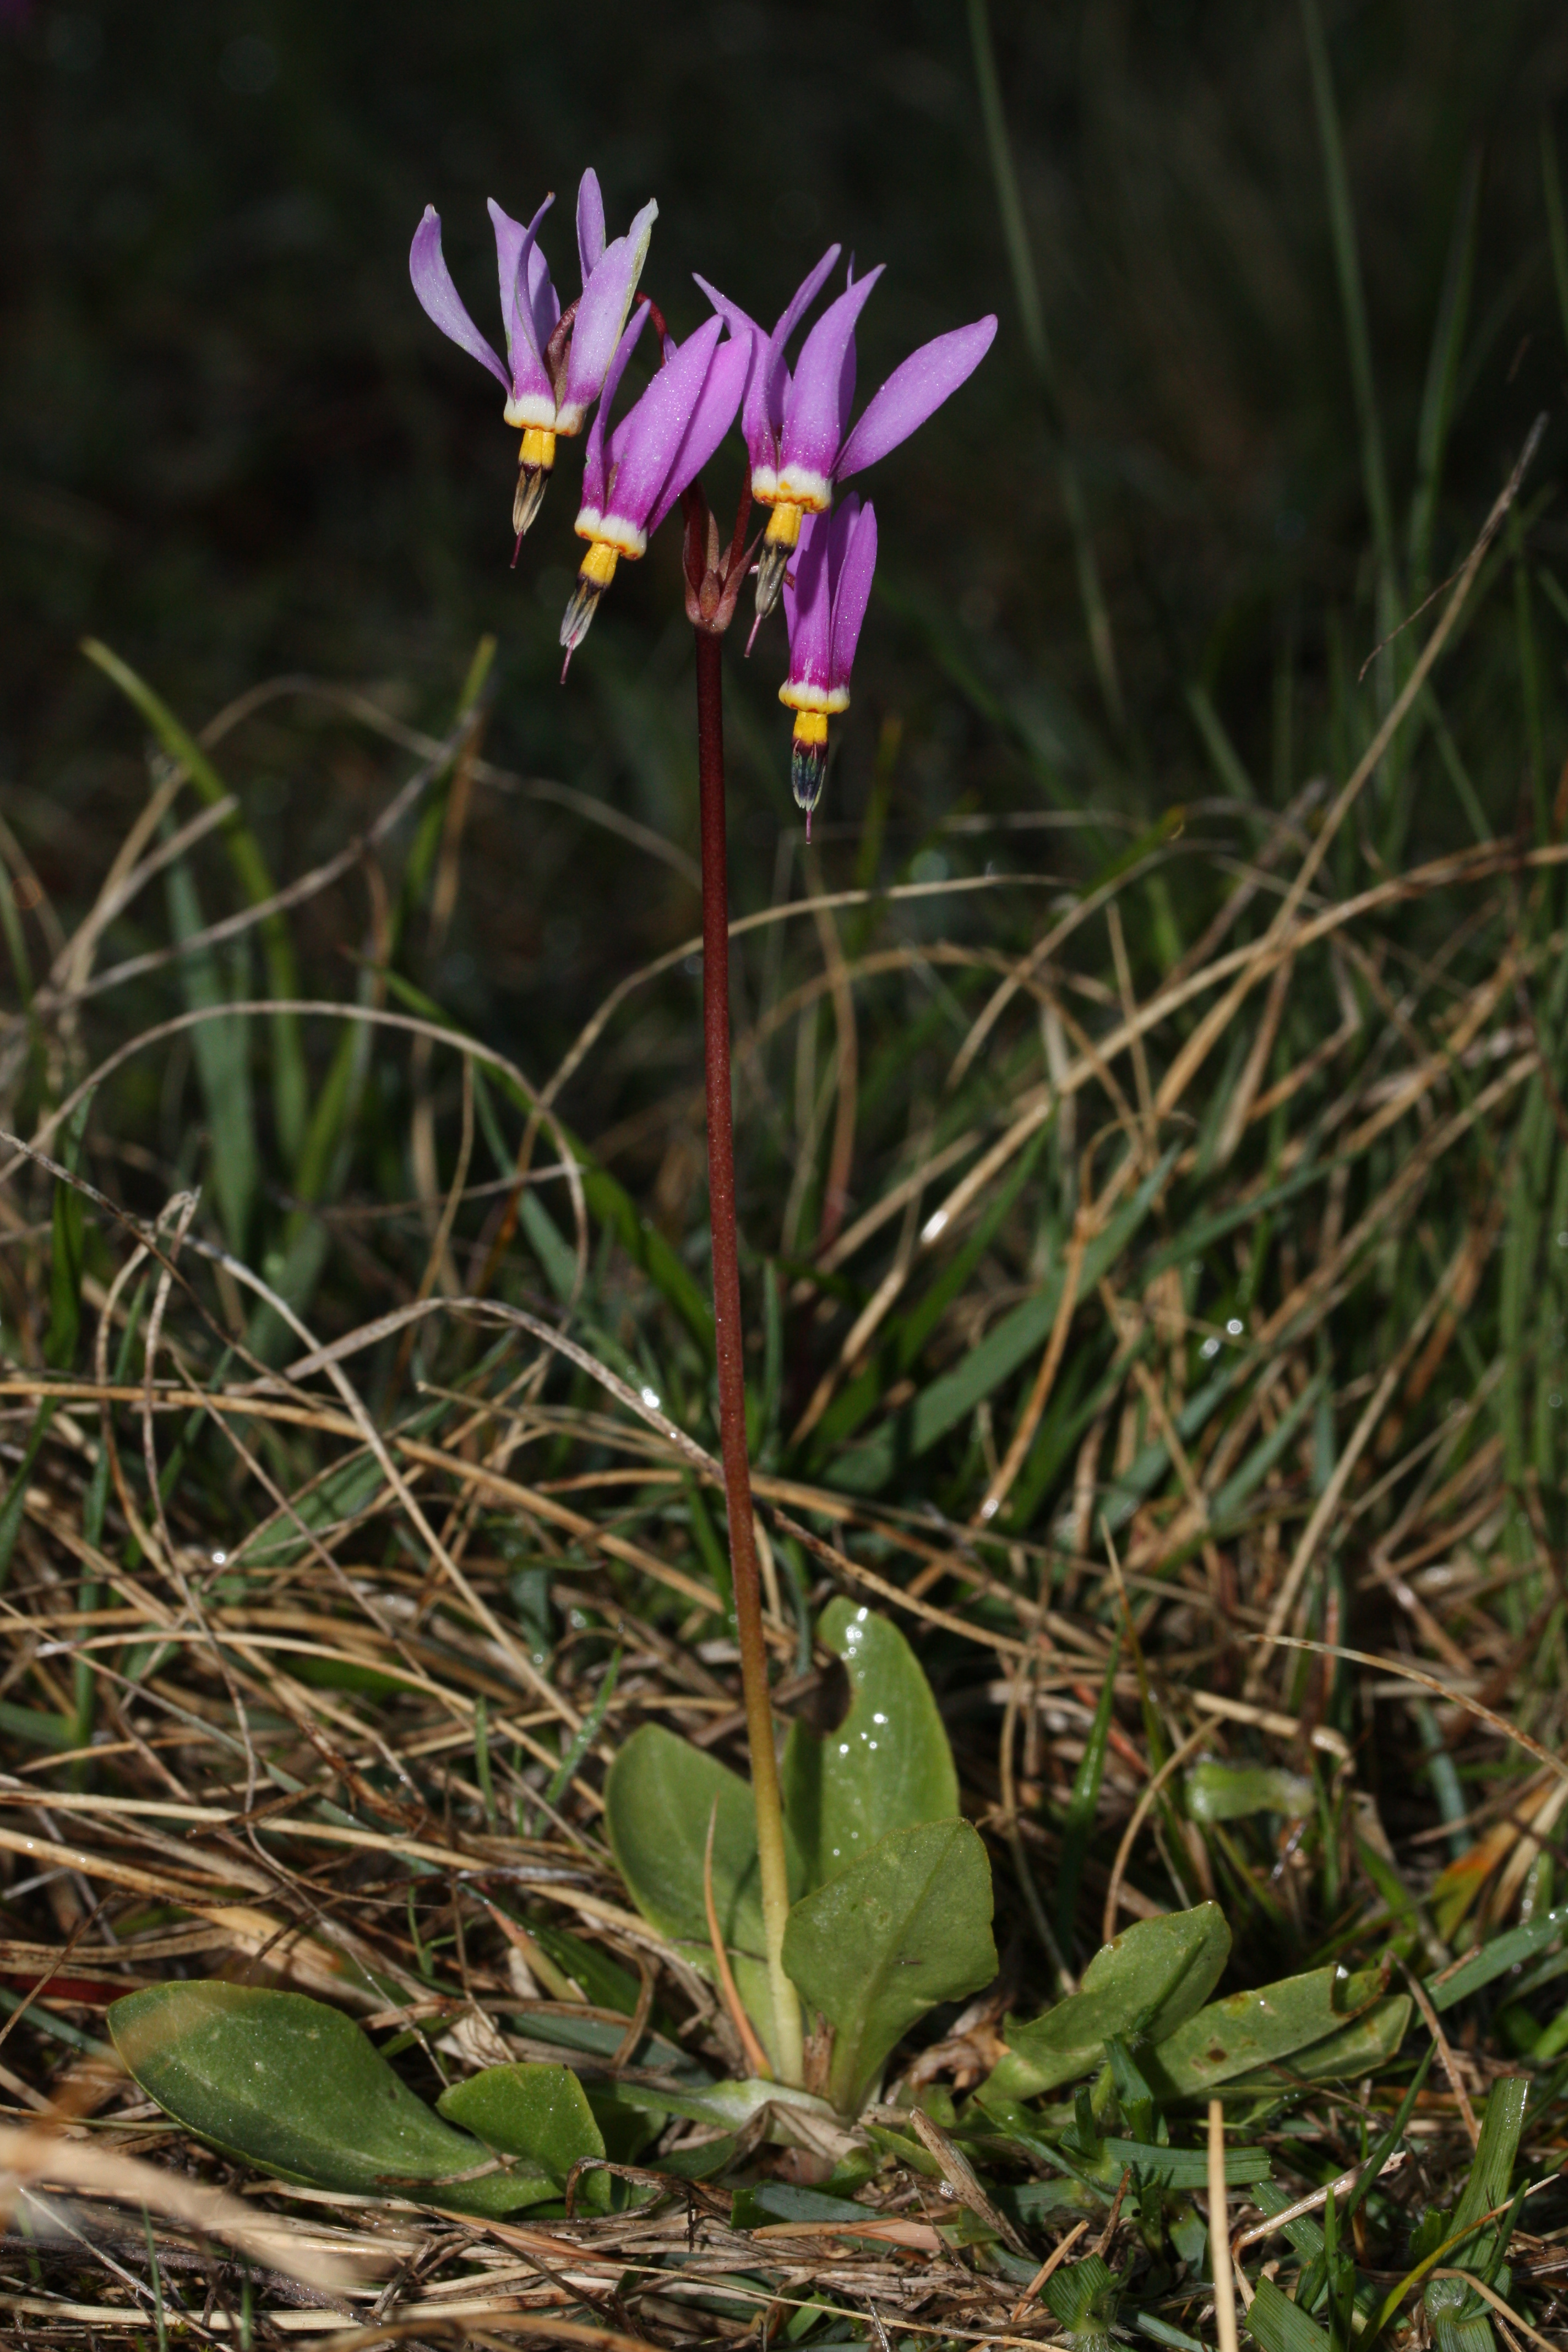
(535, 465)
(780, 540)
(595, 574)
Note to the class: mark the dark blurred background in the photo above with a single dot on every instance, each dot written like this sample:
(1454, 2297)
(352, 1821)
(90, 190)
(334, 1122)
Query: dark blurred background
(231, 444)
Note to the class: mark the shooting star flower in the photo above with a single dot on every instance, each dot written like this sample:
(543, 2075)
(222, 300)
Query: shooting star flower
(798, 427)
(824, 604)
(634, 473)
(556, 360)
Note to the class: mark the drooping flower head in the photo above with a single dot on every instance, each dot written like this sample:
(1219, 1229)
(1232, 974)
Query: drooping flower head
(824, 604)
(634, 473)
(556, 360)
(797, 430)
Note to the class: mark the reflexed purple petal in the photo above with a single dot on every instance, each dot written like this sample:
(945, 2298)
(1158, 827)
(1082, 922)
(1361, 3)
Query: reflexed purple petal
(594, 471)
(590, 223)
(760, 447)
(440, 299)
(808, 605)
(852, 559)
(811, 431)
(913, 390)
(601, 315)
(509, 234)
(645, 444)
(518, 262)
(543, 302)
(734, 317)
(765, 397)
(712, 419)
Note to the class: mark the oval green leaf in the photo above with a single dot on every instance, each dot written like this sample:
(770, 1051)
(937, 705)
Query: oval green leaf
(658, 1799)
(1258, 2029)
(1145, 1983)
(905, 1926)
(887, 1766)
(538, 2112)
(291, 2084)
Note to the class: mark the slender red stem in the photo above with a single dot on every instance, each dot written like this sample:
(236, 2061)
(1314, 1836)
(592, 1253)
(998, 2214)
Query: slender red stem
(728, 1337)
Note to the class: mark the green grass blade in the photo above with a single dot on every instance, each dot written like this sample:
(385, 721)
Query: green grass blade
(1224, 758)
(69, 1252)
(289, 1087)
(584, 1736)
(1442, 379)
(950, 1398)
(221, 1051)
(1358, 340)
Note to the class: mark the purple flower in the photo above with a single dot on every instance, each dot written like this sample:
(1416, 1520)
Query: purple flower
(824, 604)
(798, 427)
(556, 361)
(633, 475)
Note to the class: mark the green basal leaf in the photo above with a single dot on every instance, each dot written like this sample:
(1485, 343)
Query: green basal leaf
(1360, 2048)
(907, 1925)
(539, 2114)
(291, 2084)
(1251, 2029)
(1228, 1792)
(887, 1767)
(1276, 2324)
(658, 1799)
(1145, 1983)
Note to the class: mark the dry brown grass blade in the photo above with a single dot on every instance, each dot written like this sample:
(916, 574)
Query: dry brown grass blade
(1270, 950)
(41, 2155)
(1001, 1485)
(436, 2328)
(1441, 1690)
(1490, 2294)
(1220, 2233)
(1047, 2269)
(1140, 1811)
(961, 2178)
(1434, 2025)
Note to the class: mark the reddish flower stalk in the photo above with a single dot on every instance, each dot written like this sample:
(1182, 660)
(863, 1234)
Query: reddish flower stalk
(712, 582)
